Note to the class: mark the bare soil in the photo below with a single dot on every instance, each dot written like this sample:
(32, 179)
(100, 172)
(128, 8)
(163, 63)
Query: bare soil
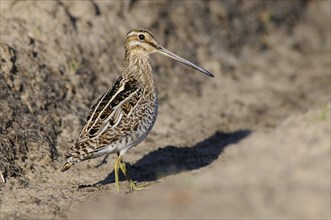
(252, 142)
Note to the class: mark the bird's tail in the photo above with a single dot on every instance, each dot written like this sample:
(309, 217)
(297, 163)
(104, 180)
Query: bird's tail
(69, 163)
(80, 151)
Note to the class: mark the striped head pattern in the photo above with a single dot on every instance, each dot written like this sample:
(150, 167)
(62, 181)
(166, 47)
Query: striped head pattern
(142, 42)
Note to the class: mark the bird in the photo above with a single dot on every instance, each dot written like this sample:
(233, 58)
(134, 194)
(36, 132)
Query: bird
(125, 114)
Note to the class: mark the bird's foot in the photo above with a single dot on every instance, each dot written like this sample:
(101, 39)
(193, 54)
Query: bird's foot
(140, 186)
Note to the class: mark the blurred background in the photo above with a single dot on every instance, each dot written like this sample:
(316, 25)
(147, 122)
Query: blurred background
(253, 142)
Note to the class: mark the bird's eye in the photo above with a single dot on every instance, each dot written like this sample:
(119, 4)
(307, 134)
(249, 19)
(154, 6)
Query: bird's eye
(141, 37)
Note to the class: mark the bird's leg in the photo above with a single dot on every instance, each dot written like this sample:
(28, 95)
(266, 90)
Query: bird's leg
(133, 186)
(122, 166)
(116, 167)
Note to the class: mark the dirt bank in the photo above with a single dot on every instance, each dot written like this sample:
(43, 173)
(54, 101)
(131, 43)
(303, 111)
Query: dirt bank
(252, 142)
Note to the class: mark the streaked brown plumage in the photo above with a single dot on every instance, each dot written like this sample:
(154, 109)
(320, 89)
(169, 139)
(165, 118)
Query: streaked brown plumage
(125, 114)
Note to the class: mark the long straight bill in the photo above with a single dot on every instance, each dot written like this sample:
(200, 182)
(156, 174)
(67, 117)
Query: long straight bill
(182, 60)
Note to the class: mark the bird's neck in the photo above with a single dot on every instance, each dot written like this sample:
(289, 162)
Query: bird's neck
(138, 66)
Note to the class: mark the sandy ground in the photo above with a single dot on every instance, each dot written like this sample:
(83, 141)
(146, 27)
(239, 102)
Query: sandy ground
(253, 142)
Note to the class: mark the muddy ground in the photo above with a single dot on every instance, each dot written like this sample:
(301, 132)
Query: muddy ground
(252, 142)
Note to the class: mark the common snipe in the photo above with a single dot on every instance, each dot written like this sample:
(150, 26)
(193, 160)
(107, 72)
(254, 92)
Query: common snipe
(125, 114)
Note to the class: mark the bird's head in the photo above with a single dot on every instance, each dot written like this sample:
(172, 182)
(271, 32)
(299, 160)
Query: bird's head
(142, 42)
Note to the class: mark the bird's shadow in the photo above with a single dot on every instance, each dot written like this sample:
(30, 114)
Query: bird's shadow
(171, 160)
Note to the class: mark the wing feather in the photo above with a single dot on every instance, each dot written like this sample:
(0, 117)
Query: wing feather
(111, 107)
